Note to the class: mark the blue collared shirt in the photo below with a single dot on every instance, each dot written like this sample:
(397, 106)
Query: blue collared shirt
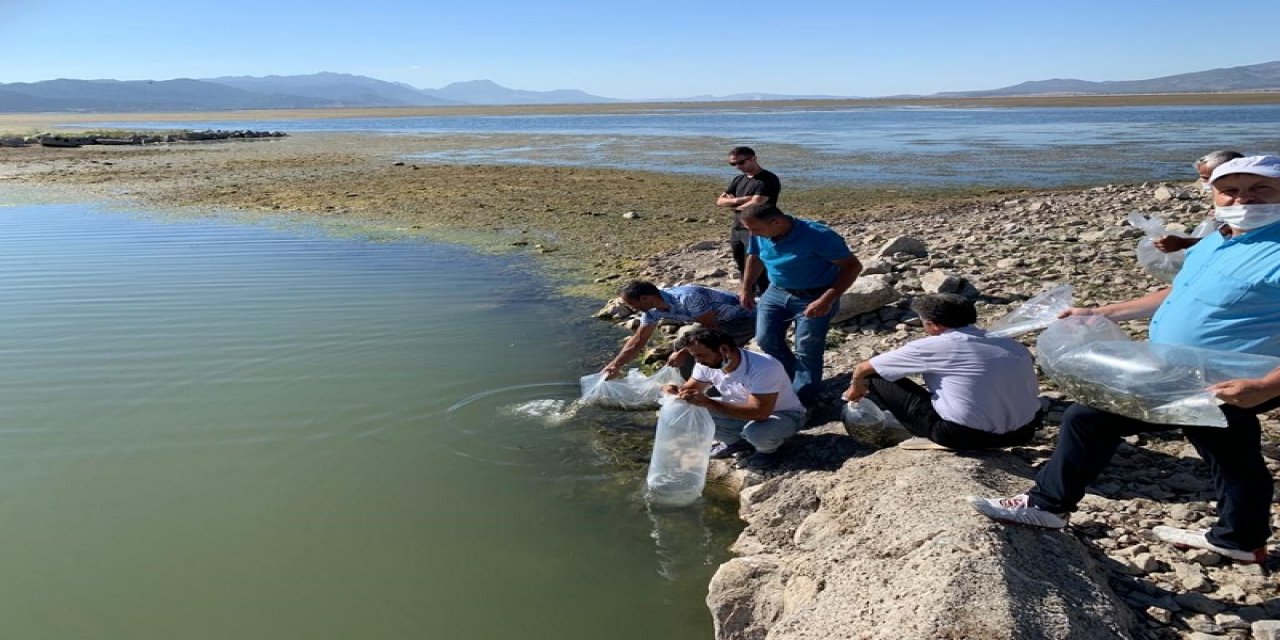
(1226, 296)
(688, 302)
(804, 257)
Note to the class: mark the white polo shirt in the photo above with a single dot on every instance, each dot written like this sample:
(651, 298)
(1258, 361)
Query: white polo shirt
(757, 374)
(979, 382)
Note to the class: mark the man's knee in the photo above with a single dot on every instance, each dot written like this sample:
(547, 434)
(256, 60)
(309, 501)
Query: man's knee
(768, 435)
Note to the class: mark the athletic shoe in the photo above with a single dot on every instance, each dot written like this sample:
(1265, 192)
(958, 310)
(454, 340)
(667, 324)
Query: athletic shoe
(1188, 539)
(722, 451)
(1017, 510)
(921, 444)
(760, 461)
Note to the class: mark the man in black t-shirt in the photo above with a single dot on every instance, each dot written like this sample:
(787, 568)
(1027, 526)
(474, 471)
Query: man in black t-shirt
(755, 185)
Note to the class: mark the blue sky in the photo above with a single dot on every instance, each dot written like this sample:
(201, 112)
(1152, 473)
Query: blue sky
(651, 49)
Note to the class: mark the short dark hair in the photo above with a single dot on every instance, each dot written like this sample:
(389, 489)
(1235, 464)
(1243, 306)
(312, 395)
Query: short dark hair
(742, 151)
(950, 310)
(1212, 159)
(712, 339)
(762, 211)
(637, 288)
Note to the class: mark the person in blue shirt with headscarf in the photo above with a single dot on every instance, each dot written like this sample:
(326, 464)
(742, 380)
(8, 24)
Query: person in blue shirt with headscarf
(1226, 297)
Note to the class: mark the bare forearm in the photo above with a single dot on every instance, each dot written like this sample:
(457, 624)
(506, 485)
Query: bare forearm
(1137, 308)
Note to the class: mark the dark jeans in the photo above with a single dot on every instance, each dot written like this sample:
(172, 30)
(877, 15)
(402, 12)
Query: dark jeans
(909, 403)
(776, 311)
(1243, 484)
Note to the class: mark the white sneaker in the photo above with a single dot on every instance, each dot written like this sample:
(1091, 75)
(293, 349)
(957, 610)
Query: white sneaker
(1188, 539)
(921, 444)
(1017, 510)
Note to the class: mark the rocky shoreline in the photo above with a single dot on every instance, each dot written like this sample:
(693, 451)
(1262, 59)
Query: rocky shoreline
(133, 138)
(847, 541)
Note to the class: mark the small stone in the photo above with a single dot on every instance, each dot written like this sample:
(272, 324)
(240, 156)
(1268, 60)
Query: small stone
(1163, 194)
(1199, 603)
(630, 215)
(1203, 557)
(1230, 621)
(1266, 630)
(1162, 616)
(1145, 562)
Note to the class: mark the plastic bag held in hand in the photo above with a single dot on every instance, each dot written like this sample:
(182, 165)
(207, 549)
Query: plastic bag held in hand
(1094, 360)
(681, 451)
(635, 391)
(1036, 313)
(1161, 265)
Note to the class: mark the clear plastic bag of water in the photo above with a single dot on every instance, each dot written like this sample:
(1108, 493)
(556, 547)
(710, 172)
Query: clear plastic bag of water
(681, 451)
(1161, 265)
(1037, 313)
(863, 420)
(1091, 358)
(634, 391)
(870, 424)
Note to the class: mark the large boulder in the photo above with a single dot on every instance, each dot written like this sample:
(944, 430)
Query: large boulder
(868, 293)
(886, 548)
(904, 244)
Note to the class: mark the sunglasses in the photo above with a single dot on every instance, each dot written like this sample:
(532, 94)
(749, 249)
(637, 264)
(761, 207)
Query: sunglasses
(742, 161)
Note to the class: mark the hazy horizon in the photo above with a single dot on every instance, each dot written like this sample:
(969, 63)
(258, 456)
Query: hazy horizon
(672, 50)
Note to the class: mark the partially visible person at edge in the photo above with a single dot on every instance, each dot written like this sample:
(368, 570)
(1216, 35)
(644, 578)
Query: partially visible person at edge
(809, 268)
(753, 185)
(981, 392)
(756, 411)
(1226, 298)
(711, 308)
(1204, 169)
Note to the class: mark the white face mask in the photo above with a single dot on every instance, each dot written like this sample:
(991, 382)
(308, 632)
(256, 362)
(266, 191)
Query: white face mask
(1248, 216)
(1206, 187)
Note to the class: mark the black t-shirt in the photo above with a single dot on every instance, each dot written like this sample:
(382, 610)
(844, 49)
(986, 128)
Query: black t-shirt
(764, 184)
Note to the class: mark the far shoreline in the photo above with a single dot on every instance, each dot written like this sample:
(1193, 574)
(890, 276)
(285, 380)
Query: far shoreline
(11, 121)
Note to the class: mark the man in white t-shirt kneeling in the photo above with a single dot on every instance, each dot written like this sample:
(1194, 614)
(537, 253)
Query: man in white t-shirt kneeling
(757, 409)
(982, 392)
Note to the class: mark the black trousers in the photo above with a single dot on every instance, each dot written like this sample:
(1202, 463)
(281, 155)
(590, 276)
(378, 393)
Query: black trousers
(738, 243)
(910, 404)
(1089, 437)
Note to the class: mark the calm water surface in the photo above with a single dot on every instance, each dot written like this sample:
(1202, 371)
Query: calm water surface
(911, 146)
(217, 430)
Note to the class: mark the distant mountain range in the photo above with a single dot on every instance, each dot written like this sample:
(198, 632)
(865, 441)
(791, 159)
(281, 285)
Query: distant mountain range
(1254, 77)
(271, 92)
(344, 90)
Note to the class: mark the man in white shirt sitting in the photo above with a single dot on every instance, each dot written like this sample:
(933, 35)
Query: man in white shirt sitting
(982, 392)
(757, 409)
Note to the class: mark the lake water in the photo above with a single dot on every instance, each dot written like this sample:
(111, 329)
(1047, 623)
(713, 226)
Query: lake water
(908, 146)
(214, 429)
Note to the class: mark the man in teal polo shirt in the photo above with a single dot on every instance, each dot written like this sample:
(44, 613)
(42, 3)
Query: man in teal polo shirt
(1226, 297)
(809, 268)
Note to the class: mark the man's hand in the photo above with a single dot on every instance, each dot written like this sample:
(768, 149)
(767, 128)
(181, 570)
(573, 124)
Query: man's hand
(857, 390)
(671, 389)
(1244, 392)
(611, 371)
(696, 398)
(748, 298)
(817, 308)
(1079, 311)
(1169, 244)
